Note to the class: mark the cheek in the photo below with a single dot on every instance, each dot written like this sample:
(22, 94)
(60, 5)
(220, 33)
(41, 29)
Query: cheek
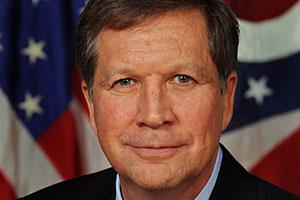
(113, 114)
(201, 115)
(113, 117)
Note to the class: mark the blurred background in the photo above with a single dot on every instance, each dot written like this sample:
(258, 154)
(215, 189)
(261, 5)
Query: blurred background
(45, 136)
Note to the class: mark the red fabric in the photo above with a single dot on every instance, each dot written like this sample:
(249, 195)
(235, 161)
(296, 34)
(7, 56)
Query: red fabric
(258, 10)
(61, 146)
(275, 169)
(6, 191)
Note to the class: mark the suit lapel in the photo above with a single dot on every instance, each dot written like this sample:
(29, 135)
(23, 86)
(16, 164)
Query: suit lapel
(103, 188)
(233, 182)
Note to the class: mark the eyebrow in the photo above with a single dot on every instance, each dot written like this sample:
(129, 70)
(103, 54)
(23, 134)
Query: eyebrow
(200, 71)
(110, 73)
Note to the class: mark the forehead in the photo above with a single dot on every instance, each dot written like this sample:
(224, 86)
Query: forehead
(163, 37)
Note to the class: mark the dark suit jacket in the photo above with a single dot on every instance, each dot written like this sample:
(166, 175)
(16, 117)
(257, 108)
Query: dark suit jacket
(233, 183)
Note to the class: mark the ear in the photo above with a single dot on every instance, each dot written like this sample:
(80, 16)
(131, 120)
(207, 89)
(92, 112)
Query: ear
(90, 104)
(228, 98)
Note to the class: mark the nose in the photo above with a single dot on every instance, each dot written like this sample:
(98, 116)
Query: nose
(155, 108)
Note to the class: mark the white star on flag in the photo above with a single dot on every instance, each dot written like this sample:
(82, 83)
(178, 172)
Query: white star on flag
(258, 90)
(31, 105)
(1, 47)
(34, 50)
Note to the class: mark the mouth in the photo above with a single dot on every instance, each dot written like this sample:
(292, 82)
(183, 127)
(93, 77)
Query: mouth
(154, 152)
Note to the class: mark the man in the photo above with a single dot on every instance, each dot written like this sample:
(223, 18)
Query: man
(159, 78)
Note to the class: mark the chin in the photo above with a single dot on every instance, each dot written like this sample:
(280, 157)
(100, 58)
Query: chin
(156, 177)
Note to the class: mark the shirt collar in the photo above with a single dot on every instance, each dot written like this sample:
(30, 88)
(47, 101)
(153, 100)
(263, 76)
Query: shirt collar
(209, 186)
(205, 192)
(118, 189)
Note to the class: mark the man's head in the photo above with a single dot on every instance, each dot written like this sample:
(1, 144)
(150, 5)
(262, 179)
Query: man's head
(223, 31)
(156, 69)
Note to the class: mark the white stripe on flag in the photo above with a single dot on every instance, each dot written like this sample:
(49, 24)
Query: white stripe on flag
(271, 39)
(93, 158)
(248, 144)
(22, 161)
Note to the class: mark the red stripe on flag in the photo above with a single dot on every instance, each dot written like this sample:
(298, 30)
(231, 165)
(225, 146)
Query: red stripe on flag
(6, 191)
(258, 10)
(60, 144)
(281, 165)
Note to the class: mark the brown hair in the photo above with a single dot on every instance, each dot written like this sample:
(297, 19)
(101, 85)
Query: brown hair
(223, 29)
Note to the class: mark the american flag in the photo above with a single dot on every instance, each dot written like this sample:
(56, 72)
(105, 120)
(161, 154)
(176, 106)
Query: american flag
(44, 131)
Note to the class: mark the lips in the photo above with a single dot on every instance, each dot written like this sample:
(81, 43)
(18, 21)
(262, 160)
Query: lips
(155, 145)
(156, 152)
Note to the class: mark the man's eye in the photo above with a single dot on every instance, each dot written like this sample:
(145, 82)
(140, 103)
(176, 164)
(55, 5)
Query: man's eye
(183, 79)
(125, 82)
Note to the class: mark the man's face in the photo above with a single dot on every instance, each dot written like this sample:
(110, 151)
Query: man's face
(157, 106)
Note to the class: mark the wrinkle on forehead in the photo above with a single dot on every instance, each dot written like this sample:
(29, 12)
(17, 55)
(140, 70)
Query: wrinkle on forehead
(160, 41)
(155, 31)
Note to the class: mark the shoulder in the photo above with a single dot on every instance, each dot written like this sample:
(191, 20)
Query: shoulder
(100, 183)
(267, 191)
(234, 182)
